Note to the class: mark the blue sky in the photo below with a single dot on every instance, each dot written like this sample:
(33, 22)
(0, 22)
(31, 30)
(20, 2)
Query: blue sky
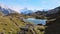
(31, 4)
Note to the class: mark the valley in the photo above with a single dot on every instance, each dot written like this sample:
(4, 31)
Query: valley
(39, 22)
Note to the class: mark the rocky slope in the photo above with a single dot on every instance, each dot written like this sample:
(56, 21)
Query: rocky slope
(53, 22)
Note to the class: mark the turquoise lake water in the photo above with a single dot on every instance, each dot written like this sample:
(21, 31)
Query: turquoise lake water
(37, 21)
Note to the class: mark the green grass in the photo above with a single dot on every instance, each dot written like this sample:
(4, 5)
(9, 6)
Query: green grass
(8, 26)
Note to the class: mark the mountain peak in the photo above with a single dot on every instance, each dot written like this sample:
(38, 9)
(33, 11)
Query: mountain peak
(3, 6)
(5, 9)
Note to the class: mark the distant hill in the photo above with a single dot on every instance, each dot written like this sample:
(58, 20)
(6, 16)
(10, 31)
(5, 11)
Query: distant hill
(54, 12)
(46, 14)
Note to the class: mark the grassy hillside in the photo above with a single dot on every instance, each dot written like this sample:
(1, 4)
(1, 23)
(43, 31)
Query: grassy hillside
(10, 24)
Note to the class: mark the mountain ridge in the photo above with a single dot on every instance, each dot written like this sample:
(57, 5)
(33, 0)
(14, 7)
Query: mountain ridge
(6, 10)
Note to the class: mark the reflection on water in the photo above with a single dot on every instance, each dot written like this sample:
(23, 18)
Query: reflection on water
(37, 21)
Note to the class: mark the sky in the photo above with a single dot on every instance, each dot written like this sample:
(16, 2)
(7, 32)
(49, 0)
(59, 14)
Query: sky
(31, 4)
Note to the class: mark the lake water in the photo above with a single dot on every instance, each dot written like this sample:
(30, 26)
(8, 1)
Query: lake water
(37, 21)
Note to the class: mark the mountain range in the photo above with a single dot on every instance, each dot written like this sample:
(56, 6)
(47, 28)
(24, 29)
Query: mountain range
(26, 11)
(6, 10)
(46, 13)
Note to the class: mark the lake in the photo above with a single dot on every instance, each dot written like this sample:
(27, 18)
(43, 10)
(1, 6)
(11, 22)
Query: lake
(37, 21)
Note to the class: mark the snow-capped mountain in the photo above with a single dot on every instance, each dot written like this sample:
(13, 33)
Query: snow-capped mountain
(6, 10)
(26, 11)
